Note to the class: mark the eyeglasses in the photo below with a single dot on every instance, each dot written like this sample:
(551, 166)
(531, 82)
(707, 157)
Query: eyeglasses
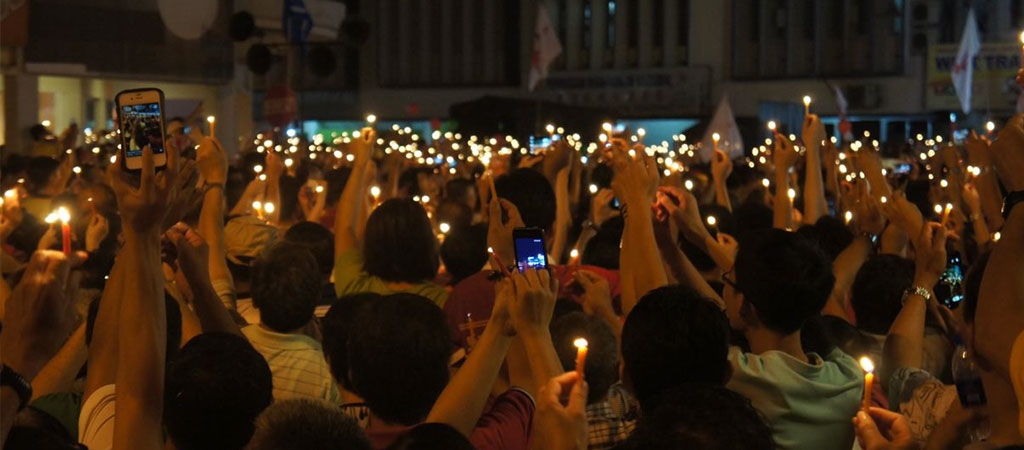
(729, 278)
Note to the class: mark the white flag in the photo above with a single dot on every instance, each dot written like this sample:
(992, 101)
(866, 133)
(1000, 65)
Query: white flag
(963, 66)
(546, 47)
(723, 123)
(841, 102)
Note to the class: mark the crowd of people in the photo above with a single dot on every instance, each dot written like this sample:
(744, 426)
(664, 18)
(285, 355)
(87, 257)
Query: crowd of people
(362, 298)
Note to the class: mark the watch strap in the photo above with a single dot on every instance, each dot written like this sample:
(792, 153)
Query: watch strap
(14, 380)
(918, 291)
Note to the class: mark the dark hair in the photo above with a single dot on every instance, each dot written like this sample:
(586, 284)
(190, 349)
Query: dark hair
(602, 366)
(785, 277)
(34, 429)
(399, 243)
(336, 180)
(673, 336)
(318, 239)
(432, 436)
(602, 250)
(453, 213)
(702, 416)
(750, 217)
(289, 189)
(409, 180)
(830, 234)
(173, 316)
(216, 387)
(461, 190)
(877, 291)
(464, 251)
(301, 424)
(285, 286)
(972, 286)
(398, 352)
(39, 171)
(335, 328)
(531, 193)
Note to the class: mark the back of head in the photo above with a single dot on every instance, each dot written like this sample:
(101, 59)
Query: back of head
(432, 436)
(830, 234)
(335, 328)
(464, 251)
(673, 336)
(216, 387)
(399, 243)
(603, 249)
(878, 291)
(461, 190)
(453, 213)
(34, 429)
(285, 287)
(785, 277)
(40, 169)
(318, 239)
(531, 193)
(702, 416)
(752, 216)
(398, 353)
(602, 366)
(302, 424)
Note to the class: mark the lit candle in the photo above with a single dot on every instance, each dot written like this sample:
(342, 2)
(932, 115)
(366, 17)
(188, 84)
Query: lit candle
(807, 105)
(990, 126)
(213, 125)
(792, 194)
(65, 229)
(849, 217)
(869, 381)
(375, 192)
(996, 236)
(766, 183)
(884, 200)
(945, 215)
(716, 137)
(593, 188)
(581, 356)
(268, 208)
(574, 257)
(550, 129)
(258, 206)
(1022, 49)
(371, 119)
(771, 126)
(938, 209)
(640, 133)
(444, 227)
(688, 184)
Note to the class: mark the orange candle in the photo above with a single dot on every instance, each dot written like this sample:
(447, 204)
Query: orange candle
(869, 381)
(213, 125)
(581, 355)
(65, 229)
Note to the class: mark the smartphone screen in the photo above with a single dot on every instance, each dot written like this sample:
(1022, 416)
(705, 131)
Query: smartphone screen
(539, 143)
(902, 168)
(950, 289)
(140, 126)
(530, 249)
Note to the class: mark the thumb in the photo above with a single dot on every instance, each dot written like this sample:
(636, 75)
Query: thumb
(578, 395)
(867, 432)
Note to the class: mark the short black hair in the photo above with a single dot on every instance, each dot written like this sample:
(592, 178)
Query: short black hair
(702, 416)
(673, 335)
(461, 190)
(603, 249)
(399, 243)
(216, 387)
(455, 214)
(398, 353)
(39, 171)
(335, 327)
(305, 423)
(877, 291)
(830, 234)
(318, 239)
(432, 436)
(785, 277)
(285, 286)
(602, 366)
(531, 193)
(464, 251)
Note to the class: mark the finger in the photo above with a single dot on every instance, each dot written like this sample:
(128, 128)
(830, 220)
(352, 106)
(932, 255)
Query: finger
(514, 218)
(578, 396)
(494, 210)
(532, 278)
(148, 170)
(867, 432)
(519, 283)
(544, 277)
(172, 165)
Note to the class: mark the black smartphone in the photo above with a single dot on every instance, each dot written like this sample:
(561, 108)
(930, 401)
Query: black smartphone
(140, 116)
(902, 168)
(950, 289)
(614, 204)
(530, 249)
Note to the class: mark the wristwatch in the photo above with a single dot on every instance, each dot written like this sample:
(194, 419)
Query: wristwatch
(1011, 200)
(918, 291)
(14, 380)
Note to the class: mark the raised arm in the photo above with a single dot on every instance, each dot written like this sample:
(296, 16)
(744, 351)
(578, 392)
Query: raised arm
(192, 258)
(352, 198)
(142, 322)
(784, 158)
(721, 168)
(980, 155)
(531, 309)
(212, 162)
(868, 224)
(635, 183)
(815, 205)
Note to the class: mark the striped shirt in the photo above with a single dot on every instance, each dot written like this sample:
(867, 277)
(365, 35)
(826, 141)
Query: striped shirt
(296, 363)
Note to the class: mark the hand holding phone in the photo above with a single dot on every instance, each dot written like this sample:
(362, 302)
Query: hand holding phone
(531, 253)
(140, 114)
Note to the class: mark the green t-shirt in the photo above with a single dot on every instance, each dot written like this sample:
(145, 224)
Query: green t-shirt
(63, 406)
(350, 278)
(808, 406)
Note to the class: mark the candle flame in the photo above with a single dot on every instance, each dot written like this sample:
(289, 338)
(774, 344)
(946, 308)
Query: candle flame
(867, 364)
(211, 119)
(807, 100)
(712, 220)
(580, 343)
(574, 254)
(791, 193)
(772, 125)
(444, 227)
(371, 118)
(1022, 37)
(268, 208)
(375, 191)
(593, 188)
(63, 214)
(715, 137)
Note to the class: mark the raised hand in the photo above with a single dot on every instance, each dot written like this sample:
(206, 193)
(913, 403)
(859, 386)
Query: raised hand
(212, 161)
(499, 232)
(597, 295)
(534, 301)
(600, 206)
(784, 155)
(635, 180)
(721, 166)
(1008, 154)
(867, 216)
(143, 208)
(903, 214)
(978, 152)
(813, 131)
(972, 198)
(96, 232)
(880, 429)
(686, 215)
(930, 249)
(562, 427)
(275, 165)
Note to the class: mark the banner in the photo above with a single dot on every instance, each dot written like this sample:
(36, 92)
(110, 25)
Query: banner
(993, 87)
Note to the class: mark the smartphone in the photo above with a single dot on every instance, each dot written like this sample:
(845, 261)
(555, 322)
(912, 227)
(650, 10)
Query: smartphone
(140, 115)
(902, 168)
(530, 249)
(614, 204)
(538, 144)
(950, 289)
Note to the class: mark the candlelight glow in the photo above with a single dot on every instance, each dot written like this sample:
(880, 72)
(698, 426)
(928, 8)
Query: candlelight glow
(257, 205)
(712, 220)
(849, 216)
(371, 118)
(211, 119)
(689, 185)
(63, 215)
(766, 182)
(575, 254)
(593, 188)
(641, 132)
(772, 125)
(867, 364)
(268, 208)
(884, 199)
(550, 129)
(791, 193)
(996, 236)
(1022, 37)
(375, 191)
(938, 209)
(807, 100)
(580, 343)
(715, 137)
(444, 227)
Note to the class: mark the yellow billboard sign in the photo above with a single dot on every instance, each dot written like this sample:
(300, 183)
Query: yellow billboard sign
(994, 88)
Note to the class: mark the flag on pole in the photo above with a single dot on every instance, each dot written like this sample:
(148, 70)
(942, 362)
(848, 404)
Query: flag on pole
(845, 127)
(963, 66)
(723, 123)
(546, 47)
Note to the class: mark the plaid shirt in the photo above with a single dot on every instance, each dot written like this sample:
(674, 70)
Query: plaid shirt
(610, 422)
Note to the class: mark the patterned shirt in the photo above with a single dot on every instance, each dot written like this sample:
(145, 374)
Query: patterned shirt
(296, 363)
(611, 421)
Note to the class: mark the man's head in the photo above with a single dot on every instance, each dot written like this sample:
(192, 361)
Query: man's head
(878, 289)
(780, 280)
(285, 287)
(336, 326)
(602, 366)
(432, 436)
(318, 239)
(532, 195)
(673, 336)
(464, 251)
(399, 244)
(703, 416)
(398, 353)
(301, 424)
(216, 387)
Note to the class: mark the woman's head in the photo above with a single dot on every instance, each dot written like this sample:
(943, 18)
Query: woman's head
(399, 243)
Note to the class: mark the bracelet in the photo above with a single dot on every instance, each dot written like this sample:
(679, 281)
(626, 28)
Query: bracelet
(17, 382)
(918, 291)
